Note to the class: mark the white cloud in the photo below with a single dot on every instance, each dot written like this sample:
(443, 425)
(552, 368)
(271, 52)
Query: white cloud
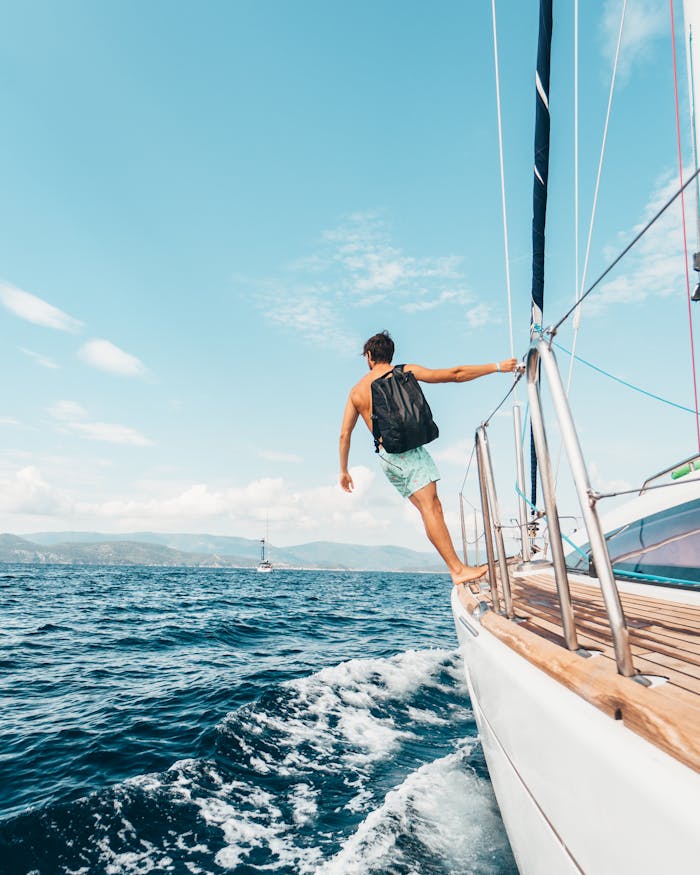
(480, 315)
(72, 418)
(456, 454)
(606, 484)
(656, 265)
(311, 317)
(112, 433)
(105, 356)
(9, 420)
(67, 411)
(38, 358)
(356, 265)
(645, 21)
(320, 512)
(275, 456)
(26, 492)
(36, 310)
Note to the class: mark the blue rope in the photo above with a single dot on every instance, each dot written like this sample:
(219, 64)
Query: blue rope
(527, 413)
(656, 577)
(578, 549)
(527, 500)
(624, 382)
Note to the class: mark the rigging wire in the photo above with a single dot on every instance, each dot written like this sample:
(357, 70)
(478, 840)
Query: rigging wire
(596, 191)
(685, 234)
(469, 464)
(503, 178)
(580, 286)
(505, 398)
(554, 328)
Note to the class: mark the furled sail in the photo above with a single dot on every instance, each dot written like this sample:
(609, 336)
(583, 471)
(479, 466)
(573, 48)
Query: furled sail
(539, 195)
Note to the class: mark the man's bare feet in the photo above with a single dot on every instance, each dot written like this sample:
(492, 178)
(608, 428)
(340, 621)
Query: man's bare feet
(469, 574)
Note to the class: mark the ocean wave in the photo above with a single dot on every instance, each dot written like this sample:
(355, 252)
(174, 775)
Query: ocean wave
(443, 819)
(318, 775)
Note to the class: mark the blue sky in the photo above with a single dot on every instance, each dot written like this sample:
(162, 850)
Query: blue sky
(207, 208)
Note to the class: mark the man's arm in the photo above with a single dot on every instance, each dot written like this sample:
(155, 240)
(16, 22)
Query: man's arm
(461, 373)
(349, 422)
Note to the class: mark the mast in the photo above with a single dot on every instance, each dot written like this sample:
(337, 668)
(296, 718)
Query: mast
(539, 193)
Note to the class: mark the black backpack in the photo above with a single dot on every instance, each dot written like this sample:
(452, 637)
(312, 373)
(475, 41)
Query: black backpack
(401, 417)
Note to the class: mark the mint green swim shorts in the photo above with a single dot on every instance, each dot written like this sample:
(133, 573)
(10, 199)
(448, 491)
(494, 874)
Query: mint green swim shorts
(409, 471)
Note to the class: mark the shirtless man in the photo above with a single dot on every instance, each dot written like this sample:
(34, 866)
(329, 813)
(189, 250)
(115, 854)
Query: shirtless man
(413, 473)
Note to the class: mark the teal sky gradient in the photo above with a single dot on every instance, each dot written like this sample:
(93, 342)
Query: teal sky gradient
(234, 195)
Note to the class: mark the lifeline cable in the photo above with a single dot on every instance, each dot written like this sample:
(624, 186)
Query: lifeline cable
(623, 382)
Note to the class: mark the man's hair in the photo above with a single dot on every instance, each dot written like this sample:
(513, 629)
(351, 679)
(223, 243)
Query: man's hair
(380, 347)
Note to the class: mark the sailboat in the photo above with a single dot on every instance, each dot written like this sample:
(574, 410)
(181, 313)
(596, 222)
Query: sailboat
(264, 566)
(584, 671)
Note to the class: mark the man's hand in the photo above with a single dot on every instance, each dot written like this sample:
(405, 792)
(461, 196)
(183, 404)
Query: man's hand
(508, 365)
(346, 481)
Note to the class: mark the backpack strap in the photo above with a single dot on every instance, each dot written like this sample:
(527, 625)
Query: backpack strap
(375, 427)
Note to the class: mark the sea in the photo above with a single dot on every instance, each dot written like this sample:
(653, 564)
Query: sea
(192, 720)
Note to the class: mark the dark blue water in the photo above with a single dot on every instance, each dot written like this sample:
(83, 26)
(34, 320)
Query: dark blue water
(210, 721)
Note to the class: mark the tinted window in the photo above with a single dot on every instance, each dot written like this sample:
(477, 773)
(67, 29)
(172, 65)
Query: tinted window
(665, 544)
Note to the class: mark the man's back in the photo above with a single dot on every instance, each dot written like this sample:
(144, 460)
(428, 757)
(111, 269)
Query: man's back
(361, 392)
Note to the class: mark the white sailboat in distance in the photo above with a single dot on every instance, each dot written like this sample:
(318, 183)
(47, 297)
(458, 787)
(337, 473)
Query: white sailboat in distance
(264, 566)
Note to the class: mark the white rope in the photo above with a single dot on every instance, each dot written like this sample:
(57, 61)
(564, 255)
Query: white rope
(580, 287)
(579, 290)
(503, 181)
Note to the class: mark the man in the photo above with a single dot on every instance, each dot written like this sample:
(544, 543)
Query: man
(413, 473)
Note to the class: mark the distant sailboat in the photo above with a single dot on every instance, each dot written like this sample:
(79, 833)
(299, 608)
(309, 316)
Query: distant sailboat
(264, 566)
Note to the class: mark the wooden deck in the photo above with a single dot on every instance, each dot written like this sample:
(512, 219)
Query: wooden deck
(665, 642)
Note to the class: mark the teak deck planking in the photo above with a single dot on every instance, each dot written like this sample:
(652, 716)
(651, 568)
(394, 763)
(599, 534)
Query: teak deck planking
(664, 639)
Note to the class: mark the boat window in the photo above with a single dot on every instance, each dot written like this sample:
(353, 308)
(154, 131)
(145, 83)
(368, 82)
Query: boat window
(663, 545)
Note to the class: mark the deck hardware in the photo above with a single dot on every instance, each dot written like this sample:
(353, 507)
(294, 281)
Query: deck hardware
(593, 497)
(480, 610)
(468, 626)
(588, 654)
(650, 680)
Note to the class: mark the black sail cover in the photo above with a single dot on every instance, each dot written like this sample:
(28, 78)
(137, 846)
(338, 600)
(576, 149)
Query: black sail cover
(539, 194)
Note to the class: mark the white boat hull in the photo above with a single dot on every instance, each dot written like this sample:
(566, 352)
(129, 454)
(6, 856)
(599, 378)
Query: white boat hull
(578, 791)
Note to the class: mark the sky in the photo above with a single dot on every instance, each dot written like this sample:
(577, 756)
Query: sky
(208, 207)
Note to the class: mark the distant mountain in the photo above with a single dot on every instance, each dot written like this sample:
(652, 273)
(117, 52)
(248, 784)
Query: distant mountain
(15, 549)
(153, 548)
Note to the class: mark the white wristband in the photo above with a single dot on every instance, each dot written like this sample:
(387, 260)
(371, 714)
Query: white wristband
(498, 366)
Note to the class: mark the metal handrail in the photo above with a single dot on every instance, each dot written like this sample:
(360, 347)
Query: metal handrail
(541, 351)
(550, 501)
(489, 505)
(690, 459)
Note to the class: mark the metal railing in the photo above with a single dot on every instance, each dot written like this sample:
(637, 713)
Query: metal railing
(541, 353)
(689, 461)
